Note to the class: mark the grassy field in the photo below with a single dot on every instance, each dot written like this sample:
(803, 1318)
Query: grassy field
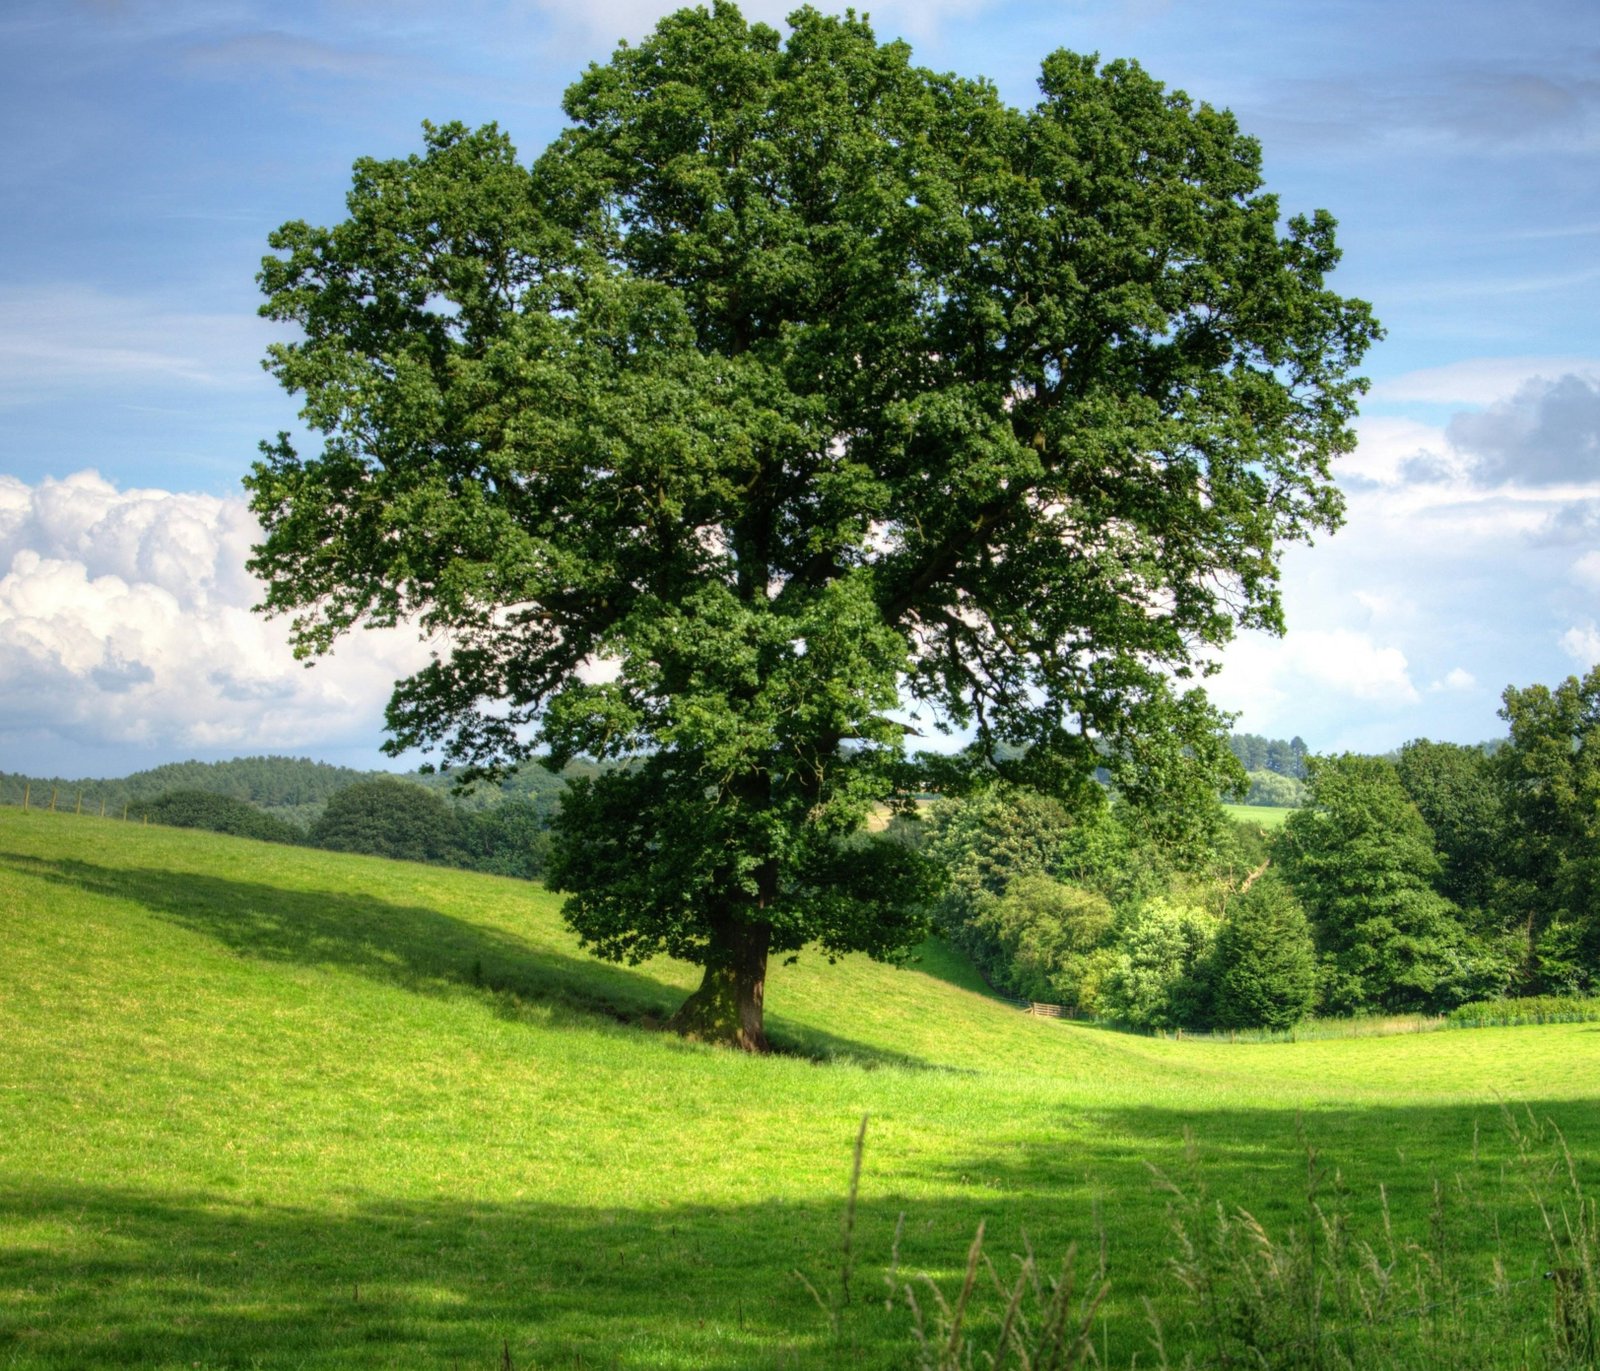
(268, 1107)
(1264, 816)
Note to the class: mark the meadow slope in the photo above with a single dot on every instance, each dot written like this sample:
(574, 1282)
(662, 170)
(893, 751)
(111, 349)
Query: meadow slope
(264, 1106)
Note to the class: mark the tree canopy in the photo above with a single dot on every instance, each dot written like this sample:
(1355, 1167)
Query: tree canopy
(389, 817)
(791, 384)
(1361, 859)
(1550, 772)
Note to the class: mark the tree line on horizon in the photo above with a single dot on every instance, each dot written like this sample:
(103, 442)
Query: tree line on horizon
(418, 816)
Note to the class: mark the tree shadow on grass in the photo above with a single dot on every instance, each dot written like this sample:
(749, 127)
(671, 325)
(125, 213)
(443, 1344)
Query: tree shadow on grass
(99, 1275)
(411, 947)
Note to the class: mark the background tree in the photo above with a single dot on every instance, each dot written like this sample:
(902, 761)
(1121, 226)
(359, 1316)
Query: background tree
(219, 813)
(1265, 963)
(1270, 789)
(390, 818)
(1361, 860)
(1458, 794)
(1550, 769)
(1052, 939)
(511, 838)
(1161, 974)
(797, 381)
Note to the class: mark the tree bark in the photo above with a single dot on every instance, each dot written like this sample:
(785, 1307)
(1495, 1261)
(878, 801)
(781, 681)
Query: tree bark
(727, 1008)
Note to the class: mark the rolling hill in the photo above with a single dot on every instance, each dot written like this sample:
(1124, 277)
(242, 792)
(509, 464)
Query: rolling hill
(267, 1106)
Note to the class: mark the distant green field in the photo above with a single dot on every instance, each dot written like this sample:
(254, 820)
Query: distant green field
(269, 1107)
(1267, 816)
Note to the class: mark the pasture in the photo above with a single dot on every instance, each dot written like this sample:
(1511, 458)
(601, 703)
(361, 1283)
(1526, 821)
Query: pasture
(269, 1107)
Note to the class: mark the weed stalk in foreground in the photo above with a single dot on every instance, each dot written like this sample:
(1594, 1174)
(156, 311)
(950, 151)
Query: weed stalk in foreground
(1316, 1298)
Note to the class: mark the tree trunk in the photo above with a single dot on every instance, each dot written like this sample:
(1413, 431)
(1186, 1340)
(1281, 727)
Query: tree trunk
(727, 1006)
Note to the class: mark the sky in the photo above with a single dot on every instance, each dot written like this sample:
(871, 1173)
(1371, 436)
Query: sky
(152, 145)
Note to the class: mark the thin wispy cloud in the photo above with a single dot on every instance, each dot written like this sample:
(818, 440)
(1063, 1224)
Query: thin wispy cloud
(53, 337)
(1480, 380)
(276, 51)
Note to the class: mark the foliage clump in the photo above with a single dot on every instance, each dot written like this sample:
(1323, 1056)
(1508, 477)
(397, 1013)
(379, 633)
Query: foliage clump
(218, 813)
(1265, 961)
(1162, 971)
(388, 817)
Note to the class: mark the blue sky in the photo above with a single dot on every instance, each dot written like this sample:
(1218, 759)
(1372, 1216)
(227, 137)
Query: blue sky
(151, 145)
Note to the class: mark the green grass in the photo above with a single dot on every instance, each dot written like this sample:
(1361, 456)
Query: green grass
(1264, 816)
(262, 1106)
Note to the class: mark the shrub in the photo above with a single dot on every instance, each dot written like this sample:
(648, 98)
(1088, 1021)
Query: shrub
(217, 813)
(386, 817)
(1532, 1009)
(1161, 975)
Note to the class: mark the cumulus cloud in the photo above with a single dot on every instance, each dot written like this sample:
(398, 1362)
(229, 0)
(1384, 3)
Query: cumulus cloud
(1586, 570)
(125, 618)
(1582, 643)
(1267, 680)
(1548, 433)
(1457, 678)
(1576, 521)
(1542, 439)
(1351, 664)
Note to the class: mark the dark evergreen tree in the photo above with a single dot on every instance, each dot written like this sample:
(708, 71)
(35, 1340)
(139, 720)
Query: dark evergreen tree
(1266, 963)
(1250, 749)
(1281, 760)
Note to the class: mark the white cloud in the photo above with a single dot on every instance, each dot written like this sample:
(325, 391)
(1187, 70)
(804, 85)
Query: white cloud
(125, 619)
(1547, 434)
(1351, 664)
(1388, 449)
(604, 21)
(1540, 443)
(1457, 678)
(1481, 380)
(1268, 679)
(1582, 642)
(1586, 570)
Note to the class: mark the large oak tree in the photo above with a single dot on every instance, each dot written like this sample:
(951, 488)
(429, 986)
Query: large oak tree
(793, 383)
